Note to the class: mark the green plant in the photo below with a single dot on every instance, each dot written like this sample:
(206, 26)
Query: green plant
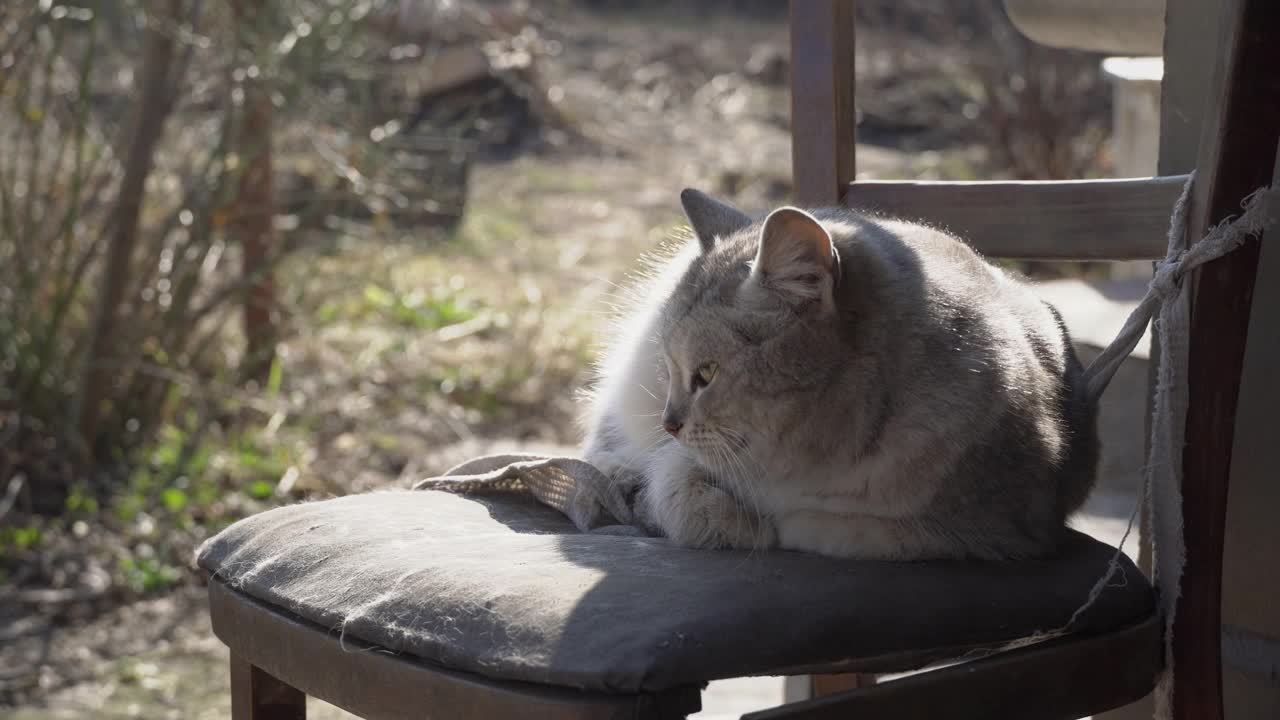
(19, 538)
(145, 574)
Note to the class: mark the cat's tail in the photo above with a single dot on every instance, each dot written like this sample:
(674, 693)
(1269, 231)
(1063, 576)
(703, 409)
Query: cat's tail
(1080, 413)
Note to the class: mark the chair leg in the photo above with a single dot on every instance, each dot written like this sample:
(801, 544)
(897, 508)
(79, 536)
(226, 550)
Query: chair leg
(256, 695)
(831, 684)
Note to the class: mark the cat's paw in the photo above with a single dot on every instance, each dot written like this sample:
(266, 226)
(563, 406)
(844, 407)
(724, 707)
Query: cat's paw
(599, 502)
(712, 518)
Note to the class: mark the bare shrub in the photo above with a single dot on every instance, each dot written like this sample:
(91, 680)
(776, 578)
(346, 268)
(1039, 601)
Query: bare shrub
(137, 215)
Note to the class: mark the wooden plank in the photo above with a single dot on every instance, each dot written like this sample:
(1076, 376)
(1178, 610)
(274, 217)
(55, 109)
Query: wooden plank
(256, 695)
(1046, 220)
(1237, 155)
(822, 109)
(1057, 680)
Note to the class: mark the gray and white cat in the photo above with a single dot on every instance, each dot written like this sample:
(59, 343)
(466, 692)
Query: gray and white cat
(852, 386)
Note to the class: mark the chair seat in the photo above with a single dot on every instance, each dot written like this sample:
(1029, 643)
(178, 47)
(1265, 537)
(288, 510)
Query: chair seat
(508, 589)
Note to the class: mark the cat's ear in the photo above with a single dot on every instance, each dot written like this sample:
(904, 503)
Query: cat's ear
(797, 258)
(711, 218)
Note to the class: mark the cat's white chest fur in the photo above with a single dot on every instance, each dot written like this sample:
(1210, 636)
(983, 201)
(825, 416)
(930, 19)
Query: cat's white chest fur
(630, 401)
(624, 428)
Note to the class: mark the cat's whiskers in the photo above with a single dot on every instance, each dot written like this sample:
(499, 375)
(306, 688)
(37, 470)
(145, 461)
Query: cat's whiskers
(742, 481)
(649, 392)
(758, 539)
(724, 472)
(659, 437)
(718, 459)
(751, 476)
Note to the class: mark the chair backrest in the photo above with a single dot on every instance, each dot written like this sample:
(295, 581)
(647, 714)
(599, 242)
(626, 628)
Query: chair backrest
(1042, 220)
(1052, 220)
(1220, 116)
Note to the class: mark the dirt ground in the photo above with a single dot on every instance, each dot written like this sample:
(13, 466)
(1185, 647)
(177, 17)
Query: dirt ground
(666, 105)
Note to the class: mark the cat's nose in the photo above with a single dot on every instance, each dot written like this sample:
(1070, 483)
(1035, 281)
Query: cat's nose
(672, 427)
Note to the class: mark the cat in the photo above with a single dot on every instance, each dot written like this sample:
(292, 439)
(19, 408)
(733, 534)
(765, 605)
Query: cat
(843, 384)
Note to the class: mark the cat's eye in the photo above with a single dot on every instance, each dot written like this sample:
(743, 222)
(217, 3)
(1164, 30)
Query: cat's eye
(704, 375)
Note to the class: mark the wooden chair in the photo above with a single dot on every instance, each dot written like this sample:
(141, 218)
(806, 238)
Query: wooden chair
(286, 641)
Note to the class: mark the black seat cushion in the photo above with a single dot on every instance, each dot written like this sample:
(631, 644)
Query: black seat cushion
(509, 589)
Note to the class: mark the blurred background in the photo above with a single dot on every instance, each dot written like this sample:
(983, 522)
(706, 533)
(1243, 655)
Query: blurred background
(259, 251)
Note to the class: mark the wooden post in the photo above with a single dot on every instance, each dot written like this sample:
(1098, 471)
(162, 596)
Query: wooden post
(1250, 616)
(823, 158)
(824, 685)
(822, 109)
(256, 695)
(1237, 155)
(1188, 72)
